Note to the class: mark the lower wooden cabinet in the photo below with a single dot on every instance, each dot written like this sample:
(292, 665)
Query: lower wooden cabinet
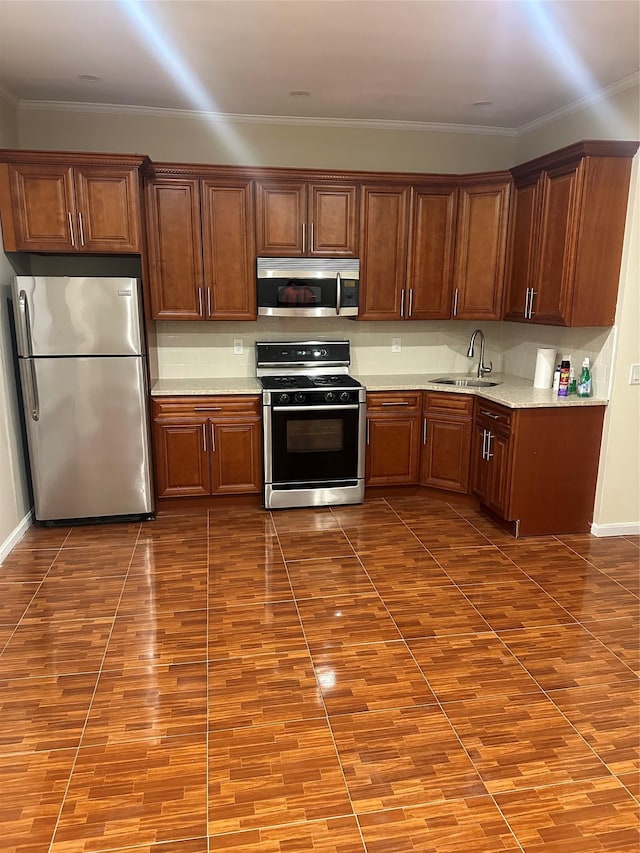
(446, 441)
(393, 438)
(537, 468)
(207, 446)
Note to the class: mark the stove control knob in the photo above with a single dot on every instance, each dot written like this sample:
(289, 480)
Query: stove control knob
(299, 398)
(284, 398)
(329, 396)
(345, 396)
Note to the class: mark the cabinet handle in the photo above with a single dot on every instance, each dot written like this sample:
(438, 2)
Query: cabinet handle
(455, 302)
(489, 439)
(81, 229)
(208, 301)
(490, 414)
(402, 303)
(311, 246)
(484, 444)
(424, 431)
(404, 403)
(410, 301)
(200, 311)
(213, 439)
(207, 408)
(71, 234)
(533, 295)
(204, 438)
(526, 304)
(304, 237)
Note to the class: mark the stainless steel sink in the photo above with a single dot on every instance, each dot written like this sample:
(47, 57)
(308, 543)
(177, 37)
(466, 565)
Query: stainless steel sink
(467, 382)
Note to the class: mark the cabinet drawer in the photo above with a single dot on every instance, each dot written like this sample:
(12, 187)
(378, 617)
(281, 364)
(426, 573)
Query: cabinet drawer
(392, 402)
(495, 415)
(207, 407)
(442, 403)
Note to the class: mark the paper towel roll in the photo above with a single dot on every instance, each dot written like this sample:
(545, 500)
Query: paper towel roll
(545, 365)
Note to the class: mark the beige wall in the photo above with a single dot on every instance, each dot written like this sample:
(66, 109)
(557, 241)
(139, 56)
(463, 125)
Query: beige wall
(14, 496)
(618, 494)
(197, 140)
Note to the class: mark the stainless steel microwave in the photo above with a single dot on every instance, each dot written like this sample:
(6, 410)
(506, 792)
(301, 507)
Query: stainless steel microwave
(308, 287)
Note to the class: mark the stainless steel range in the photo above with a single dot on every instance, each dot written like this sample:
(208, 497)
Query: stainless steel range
(314, 417)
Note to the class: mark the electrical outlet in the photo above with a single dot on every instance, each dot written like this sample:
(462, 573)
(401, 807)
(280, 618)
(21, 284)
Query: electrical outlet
(634, 375)
(238, 346)
(396, 344)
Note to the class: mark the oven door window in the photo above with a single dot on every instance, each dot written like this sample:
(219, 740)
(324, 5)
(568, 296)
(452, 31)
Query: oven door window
(308, 445)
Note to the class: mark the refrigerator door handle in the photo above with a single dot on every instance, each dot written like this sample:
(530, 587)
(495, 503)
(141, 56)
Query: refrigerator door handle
(23, 303)
(34, 400)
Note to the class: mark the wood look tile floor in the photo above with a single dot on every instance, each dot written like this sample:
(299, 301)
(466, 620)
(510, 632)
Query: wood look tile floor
(395, 677)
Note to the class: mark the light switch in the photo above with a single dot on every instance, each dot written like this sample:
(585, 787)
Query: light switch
(396, 344)
(634, 376)
(238, 346)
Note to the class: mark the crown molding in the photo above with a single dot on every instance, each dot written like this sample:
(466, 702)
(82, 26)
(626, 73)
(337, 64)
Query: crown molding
(238, 118)
(580, 104)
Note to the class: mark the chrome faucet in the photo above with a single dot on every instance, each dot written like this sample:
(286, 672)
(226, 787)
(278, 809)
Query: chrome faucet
(482, 368)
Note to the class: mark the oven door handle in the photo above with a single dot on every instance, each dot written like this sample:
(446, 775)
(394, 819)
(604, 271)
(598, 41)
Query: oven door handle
(338, 293)
(314, 408)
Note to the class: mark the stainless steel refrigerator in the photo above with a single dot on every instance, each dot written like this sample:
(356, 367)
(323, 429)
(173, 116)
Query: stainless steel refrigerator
(84, 388)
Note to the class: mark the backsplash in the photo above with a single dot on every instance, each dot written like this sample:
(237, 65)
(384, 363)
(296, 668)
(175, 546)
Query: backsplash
(201, 350)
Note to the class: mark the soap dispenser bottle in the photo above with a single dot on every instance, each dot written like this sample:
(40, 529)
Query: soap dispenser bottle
(584, 383)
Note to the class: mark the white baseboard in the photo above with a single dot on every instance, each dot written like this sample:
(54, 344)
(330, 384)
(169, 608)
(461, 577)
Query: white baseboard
(15, 536)
(629, 528)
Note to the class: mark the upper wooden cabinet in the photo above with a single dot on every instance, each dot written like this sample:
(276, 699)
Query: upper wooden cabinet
(480, 247)
(434, 251)
(566, 235)
(201, 248)
(297, 218)
(68, 202)
(383, 259)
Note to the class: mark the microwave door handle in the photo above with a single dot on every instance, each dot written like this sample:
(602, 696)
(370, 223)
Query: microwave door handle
(338, 292)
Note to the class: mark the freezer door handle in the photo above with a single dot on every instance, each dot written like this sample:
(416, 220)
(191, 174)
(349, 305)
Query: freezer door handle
(25, 322)
(34, 400)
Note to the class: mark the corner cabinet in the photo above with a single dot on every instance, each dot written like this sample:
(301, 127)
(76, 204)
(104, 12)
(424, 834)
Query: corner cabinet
(300, 218)
(536, 468)
(446, 441)
(207, 446)
(567, 232)
(69, 202)
(201, 247)
(393, 438)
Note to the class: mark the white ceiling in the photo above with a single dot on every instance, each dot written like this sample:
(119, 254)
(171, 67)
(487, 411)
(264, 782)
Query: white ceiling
(390, 60)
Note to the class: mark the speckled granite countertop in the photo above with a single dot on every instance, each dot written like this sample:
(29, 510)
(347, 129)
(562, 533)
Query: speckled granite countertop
(514, 392)
(202, 387)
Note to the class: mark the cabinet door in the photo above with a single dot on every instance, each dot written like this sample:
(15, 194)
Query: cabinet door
(108, 210)
(383, 244)
(481, 239)
(281, 226)
(43, 206)
(333, 221)
(496, 494)
(181, 458)
(236, 458)
(228, 245)
(431, 246)
(175, 249)
(446, 454)
(522, 251)
(392, 456)
(556, 267)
